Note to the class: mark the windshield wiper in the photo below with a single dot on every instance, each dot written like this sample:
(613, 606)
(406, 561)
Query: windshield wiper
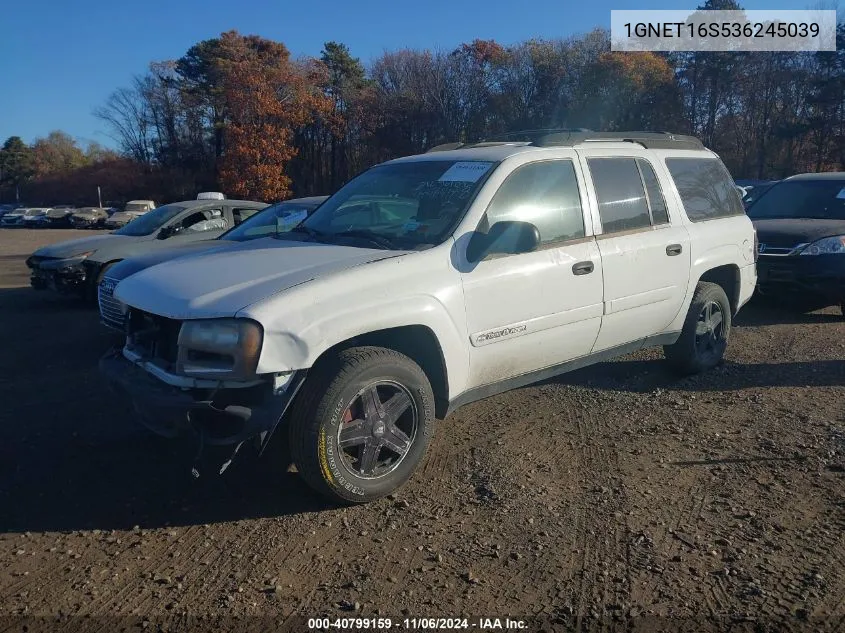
(375, 238)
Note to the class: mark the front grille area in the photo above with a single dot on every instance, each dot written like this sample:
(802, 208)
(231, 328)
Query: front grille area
(154, 337)
(112, 311)
(778, 250)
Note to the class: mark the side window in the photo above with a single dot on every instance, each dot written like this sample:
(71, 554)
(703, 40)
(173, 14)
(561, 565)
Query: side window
(656, 202)
(620, 193)
(241, 214)
(706, 189)
(545, 194)
(210, 220)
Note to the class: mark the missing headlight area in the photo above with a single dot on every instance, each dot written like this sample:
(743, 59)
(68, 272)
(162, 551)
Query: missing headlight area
(154, 338)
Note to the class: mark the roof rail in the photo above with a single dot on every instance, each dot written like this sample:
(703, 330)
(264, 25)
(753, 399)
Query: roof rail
(566, 137)
(445, 147)
(650, 140)
(532, 136)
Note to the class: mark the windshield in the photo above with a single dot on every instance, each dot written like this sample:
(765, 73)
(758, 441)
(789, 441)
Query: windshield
(810, 199)
(401, 204)
(152, 221)
(136, 206)
(264, 222)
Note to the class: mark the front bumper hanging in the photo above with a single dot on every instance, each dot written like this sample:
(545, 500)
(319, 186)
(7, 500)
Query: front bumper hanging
(220, 416)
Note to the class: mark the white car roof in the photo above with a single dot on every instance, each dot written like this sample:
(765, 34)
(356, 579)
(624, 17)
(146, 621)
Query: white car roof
(497, 152)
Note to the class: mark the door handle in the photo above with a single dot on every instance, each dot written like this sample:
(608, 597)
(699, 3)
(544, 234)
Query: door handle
(582, 268)
(674, 249)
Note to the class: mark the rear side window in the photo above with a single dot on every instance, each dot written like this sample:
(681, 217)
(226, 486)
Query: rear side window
(656, 202)
(242, 213)
(706, 188)
(545, 194)
(621, 196)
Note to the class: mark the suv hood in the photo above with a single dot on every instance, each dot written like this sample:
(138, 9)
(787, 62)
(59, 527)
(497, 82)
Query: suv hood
(82, 245)
(219, 284)
(792, 231)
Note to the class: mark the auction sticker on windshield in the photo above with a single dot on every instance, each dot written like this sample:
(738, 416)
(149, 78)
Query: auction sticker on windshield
(466, 171)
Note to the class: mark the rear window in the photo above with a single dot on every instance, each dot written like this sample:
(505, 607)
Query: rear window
(706, 188)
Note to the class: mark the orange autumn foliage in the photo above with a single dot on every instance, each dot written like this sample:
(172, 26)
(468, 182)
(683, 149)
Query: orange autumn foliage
(268, 96)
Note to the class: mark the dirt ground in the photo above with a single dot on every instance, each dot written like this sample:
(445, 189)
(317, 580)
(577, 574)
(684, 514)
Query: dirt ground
(613, 498)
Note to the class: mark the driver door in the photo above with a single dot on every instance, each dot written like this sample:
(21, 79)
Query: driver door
(532, 311)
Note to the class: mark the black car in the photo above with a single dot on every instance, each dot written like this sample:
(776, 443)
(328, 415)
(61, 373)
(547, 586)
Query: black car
(800, 225)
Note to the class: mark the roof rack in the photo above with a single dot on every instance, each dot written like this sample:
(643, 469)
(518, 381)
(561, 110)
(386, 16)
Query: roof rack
(577, 136)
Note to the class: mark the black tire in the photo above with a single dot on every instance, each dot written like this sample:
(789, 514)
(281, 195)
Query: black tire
(698, 349)
(334, 394)
(89, 293)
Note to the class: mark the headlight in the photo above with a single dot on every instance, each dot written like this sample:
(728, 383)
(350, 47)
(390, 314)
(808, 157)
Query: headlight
(826, 246)
(220, 348)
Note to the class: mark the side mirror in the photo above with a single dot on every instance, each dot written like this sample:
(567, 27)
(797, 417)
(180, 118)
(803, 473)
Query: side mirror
(508, 237)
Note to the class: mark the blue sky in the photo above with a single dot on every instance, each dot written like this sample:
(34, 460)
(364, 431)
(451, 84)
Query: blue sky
(59, 60)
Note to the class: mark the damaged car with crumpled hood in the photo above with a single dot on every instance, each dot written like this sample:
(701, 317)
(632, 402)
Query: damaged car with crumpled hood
(77, 266)
(281, 216)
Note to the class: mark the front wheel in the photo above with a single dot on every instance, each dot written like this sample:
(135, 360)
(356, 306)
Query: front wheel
(361, 424)
(705, 334)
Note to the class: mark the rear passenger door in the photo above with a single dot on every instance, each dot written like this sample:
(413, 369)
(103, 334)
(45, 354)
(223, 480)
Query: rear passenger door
(644, 246)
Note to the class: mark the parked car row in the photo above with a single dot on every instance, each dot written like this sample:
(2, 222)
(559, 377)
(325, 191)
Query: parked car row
(65, 216)
(29, 217)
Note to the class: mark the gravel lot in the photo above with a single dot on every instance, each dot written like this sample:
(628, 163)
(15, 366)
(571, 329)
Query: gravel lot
(613, 498)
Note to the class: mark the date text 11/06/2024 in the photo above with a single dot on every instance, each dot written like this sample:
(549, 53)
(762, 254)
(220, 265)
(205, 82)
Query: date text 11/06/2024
(416, 624)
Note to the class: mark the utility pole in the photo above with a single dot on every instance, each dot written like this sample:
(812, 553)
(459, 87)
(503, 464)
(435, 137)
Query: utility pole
(99, 197)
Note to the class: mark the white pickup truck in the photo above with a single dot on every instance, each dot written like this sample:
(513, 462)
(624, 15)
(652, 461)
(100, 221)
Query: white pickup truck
(431, 281)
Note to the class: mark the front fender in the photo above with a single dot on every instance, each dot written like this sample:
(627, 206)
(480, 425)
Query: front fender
(304, 322)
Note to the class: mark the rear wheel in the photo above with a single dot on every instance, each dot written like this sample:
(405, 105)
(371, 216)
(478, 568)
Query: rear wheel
(705, 334)
(361, 424)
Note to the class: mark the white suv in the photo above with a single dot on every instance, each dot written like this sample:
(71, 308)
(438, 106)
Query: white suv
(431, 281)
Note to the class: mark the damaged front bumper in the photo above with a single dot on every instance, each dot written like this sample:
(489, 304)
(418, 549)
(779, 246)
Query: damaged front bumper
(63, 275)
(220, 413)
